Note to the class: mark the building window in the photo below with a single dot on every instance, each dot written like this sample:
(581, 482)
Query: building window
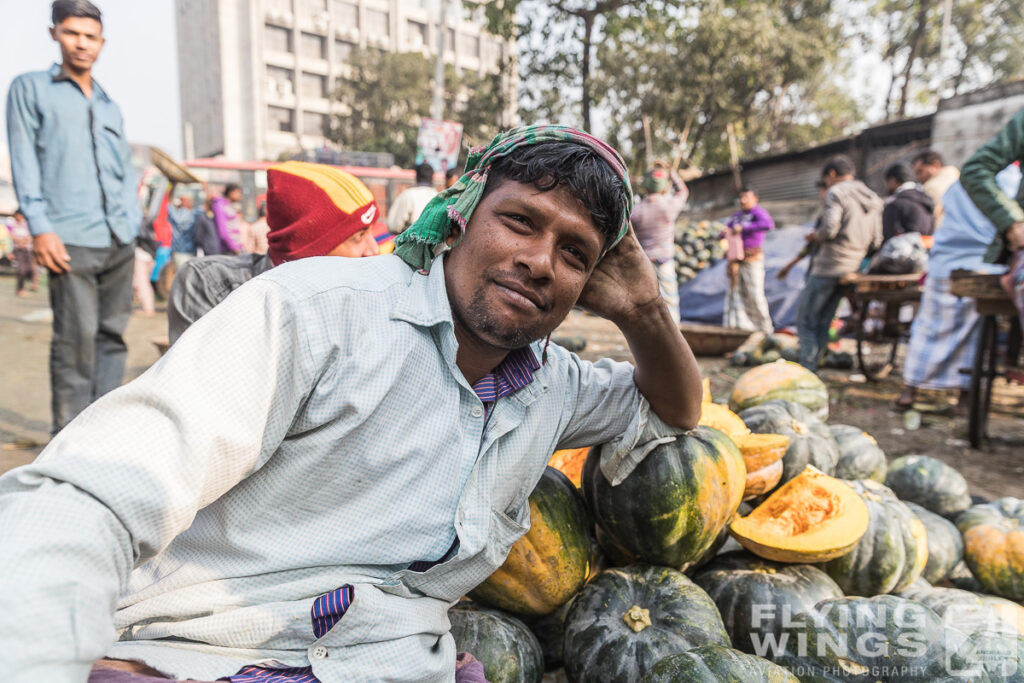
(376, 22)
(346, 14)
(314, 85)
(312, 46)
(277, 39)
(280, 81)
(417, 34)
(449, 39)
(314, 123)
(279, 118)
(472, 45)
(343, 50)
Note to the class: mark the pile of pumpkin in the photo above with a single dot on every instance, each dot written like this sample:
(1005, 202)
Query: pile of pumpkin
(697, 246)
(841, 566)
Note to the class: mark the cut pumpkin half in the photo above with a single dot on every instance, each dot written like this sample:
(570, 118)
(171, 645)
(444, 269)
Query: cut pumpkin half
(811, 518)
(761, 450)
(762, 480)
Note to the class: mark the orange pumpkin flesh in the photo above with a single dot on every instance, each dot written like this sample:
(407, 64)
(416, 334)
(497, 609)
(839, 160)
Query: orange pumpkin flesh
(724, 420)
(762, 450)
(570, 463)
(811, 518)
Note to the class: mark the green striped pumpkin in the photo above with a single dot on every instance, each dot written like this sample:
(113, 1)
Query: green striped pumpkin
(672, 507)
(945, 545)
(890, 555)
(860, 456)
(714, 664)
(881, 639)
(930, 483)
(994, 545)
(755, 597)
(548, 565)
(504, 645)
(627, 620)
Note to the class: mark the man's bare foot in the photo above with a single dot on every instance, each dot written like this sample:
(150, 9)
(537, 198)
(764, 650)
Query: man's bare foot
(906, 399)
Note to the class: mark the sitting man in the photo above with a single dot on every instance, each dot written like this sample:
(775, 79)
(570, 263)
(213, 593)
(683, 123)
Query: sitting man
(306, 496)
(312, 210)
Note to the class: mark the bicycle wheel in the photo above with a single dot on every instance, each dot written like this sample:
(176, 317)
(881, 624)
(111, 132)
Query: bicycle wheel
(876, 348)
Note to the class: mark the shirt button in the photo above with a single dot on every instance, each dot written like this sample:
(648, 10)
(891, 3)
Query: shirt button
(477, 411)
(319, 652)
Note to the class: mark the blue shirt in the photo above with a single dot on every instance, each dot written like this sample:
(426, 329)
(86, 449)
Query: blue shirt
(183, 229)
(311, 431)
(965, 234)
(71, 163)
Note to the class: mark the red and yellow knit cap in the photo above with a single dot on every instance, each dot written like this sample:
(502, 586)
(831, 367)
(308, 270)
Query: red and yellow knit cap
(312, 208)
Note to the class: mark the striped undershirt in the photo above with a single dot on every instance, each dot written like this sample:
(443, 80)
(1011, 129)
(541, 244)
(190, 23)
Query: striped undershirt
(511, 375)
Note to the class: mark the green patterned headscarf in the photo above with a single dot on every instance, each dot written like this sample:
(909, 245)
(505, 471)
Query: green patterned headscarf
(454, 207)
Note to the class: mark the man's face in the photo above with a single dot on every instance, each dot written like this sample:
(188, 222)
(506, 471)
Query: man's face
(186, 201)
(891, 185)
(924, 172)
(358, 245)
(235, 195)
(748, 200)
(80, 40)
(830, 178)
(521, 265)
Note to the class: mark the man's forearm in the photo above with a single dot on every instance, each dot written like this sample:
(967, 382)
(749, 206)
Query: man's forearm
(666, 371)
(978, 176)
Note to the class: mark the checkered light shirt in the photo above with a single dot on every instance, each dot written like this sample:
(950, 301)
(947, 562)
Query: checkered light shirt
(194, 515)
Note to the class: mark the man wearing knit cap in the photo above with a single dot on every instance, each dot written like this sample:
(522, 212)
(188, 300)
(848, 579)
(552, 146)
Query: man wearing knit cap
(332, 457)
(312, 210)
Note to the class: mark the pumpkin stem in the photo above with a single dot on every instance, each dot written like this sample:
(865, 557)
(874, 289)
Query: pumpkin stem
(637, 618)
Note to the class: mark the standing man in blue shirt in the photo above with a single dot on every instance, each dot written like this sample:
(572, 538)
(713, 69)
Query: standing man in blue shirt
(74, 180)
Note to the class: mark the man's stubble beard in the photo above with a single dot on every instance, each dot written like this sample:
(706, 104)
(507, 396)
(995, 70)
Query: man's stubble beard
(481, 322)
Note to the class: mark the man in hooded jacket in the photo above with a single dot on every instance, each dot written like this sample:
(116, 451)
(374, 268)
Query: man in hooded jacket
(908, 209)
(850, 227)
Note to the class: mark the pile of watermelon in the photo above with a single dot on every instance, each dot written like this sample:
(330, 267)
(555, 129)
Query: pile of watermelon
(697, 247)
(659, 578)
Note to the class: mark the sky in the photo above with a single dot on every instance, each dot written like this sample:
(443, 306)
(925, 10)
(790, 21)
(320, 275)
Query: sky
(138, 66)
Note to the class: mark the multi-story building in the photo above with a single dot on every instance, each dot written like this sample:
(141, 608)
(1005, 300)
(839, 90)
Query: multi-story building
(257, 76)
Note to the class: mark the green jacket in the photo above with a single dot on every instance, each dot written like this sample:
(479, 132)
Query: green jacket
(978, 177)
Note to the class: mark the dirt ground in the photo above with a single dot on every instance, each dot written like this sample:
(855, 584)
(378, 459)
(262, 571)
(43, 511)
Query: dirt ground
(24, 372)
(997, 470)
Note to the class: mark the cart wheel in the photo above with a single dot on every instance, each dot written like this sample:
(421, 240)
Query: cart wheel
(982, 372)
(876, 351)
(162, 286)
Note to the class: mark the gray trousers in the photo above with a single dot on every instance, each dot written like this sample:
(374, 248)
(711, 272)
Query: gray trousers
(814, 312)
(91, 306)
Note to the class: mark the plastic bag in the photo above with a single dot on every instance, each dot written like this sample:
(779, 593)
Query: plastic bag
(900, 255)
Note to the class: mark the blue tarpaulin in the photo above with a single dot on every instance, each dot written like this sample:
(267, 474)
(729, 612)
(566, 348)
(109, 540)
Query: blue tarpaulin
(702, 299)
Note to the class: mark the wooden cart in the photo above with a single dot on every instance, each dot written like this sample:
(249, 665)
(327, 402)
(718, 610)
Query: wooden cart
(992, 303)
(879, 336)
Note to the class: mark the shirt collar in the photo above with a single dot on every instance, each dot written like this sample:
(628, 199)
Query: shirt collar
(511, 375)
(426, 300)
(57, 74)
